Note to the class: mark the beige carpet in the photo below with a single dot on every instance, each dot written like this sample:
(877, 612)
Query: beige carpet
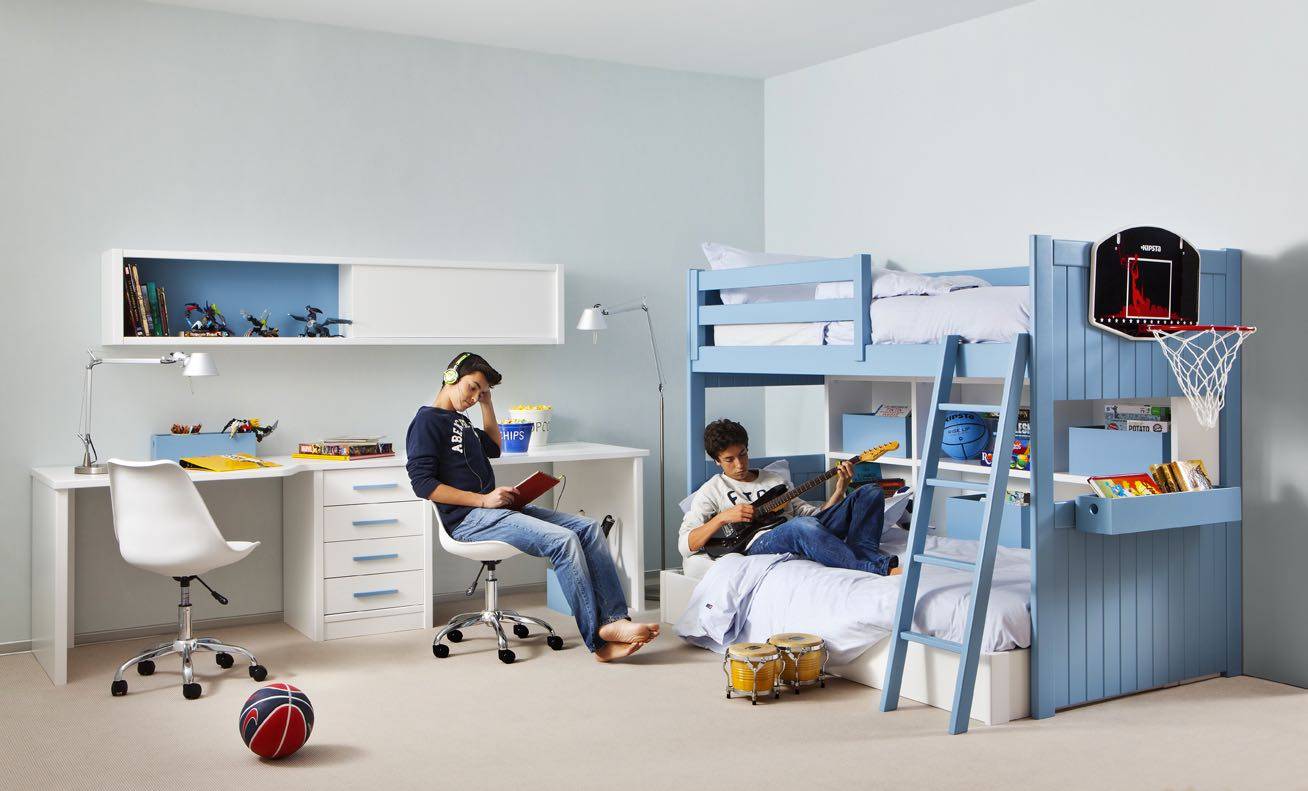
(389, 715)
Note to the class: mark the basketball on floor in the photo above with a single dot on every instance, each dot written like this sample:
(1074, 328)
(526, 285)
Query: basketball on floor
(276, 720)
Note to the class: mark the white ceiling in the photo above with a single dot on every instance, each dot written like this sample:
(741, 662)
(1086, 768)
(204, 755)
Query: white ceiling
(745, 38)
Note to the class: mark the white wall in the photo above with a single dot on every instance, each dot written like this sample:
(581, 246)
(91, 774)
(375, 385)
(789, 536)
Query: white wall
(127, 124)
(1076, 118)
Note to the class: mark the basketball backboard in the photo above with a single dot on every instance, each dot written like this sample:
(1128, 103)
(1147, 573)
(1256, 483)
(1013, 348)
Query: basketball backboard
(1140, 277)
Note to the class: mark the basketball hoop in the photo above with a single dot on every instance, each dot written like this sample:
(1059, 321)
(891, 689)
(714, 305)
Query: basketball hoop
(1201, 356)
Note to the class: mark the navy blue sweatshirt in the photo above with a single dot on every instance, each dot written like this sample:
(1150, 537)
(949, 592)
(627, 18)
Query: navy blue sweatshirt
(444, 447)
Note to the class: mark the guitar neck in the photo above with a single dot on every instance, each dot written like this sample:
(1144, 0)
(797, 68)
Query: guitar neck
(799, 491)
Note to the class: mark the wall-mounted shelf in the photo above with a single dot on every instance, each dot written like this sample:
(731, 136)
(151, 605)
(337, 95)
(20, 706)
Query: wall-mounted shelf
(1125, 515)
(970, 467)
(390, 301)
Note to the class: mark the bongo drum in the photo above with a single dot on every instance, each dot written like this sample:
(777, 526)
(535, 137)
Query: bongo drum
(751, 668)
(803, 659)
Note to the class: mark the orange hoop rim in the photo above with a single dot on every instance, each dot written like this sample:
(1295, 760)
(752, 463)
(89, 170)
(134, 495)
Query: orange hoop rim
(1200, 328)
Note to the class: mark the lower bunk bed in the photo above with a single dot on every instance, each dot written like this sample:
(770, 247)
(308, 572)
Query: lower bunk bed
(749, 599)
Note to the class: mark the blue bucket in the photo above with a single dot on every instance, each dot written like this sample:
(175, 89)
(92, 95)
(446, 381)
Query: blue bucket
(514, 437)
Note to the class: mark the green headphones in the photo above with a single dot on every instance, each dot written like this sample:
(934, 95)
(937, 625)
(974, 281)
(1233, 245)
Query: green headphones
(451, 374)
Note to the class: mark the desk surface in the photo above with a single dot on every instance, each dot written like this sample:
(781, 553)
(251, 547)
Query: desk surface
(64, 477)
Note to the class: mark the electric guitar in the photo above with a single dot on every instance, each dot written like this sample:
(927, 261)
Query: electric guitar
(770, 507)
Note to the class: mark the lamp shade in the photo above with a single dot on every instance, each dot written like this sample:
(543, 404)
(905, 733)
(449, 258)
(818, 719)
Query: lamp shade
(199, 364)
(592, 319)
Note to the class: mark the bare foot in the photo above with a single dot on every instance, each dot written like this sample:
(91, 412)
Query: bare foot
(611, 651)
(895, 570)
(625, 631)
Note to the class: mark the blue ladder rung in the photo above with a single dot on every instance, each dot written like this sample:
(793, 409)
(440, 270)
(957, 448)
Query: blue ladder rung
(970, 408)
(949, 563)
(934, 642)
(967, 486)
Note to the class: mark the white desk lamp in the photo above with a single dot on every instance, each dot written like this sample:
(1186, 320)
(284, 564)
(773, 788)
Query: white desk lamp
(196, 364)
(593, 320)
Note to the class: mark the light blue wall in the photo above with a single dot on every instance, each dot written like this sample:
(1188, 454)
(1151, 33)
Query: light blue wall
(127, 124)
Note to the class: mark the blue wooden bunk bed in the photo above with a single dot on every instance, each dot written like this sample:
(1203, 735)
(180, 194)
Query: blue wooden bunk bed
(1126, 595)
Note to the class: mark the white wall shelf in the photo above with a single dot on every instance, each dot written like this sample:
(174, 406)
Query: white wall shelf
(391, 302)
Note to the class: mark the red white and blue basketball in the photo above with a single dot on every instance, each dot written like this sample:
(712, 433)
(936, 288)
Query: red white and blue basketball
(276, 720)
(965, 435)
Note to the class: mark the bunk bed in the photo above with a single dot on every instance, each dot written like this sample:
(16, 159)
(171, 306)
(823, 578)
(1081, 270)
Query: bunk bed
(1125, 595)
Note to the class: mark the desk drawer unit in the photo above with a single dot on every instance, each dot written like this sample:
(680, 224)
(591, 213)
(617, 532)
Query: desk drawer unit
(372, 591)
(374, 485)
(372, 556)
(373, 520)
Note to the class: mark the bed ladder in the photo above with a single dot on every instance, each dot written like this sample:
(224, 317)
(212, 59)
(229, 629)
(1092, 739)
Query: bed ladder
(982, 570)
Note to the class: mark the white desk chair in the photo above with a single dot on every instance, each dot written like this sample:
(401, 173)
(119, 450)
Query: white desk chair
(163, 525)
(490, 553)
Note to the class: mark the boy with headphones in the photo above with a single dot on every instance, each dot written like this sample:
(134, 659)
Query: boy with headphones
(449, 464)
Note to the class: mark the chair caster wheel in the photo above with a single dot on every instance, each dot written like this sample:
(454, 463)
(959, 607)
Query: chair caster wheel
(440, 650)
(118, 688)
(145, 668)
(257, 672)
(191, 691)
(507, 656)
(555, 642)
(753, 703)
(454, 636)
(822, 684)
(224, 660)
(520, 631)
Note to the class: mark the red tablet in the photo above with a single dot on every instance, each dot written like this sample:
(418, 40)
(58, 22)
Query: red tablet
(536, 484)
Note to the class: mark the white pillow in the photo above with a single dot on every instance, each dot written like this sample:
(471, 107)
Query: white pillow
(780, 467)
(721, 256)
(897, 283)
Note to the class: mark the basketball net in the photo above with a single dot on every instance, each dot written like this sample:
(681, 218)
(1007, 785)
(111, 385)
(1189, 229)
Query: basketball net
(1201, 356)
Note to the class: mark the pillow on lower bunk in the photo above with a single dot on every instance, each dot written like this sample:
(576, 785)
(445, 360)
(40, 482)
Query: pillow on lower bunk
(895, 283)
(721, 256)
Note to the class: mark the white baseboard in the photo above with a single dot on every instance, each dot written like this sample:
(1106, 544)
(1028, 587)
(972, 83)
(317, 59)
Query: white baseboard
(154, 630)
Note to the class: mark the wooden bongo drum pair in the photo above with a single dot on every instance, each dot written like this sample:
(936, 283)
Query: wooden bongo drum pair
(792, 659)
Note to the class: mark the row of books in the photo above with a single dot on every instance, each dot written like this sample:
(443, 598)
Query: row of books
(1171, 477)
(345, 449)
(1137, 417)
(145, 306)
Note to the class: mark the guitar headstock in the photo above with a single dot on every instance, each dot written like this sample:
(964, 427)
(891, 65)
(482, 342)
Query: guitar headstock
(873, 454)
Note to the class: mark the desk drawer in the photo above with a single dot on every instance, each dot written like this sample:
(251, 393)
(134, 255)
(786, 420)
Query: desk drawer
(372, 591)
(375, 485)
(378, 520)
(372, 556)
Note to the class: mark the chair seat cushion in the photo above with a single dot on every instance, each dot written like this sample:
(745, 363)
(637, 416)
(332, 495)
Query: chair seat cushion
(477, 550)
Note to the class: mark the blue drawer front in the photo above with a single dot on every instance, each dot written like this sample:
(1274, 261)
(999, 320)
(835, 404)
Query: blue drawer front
(209, 443)
(964, 515)
(861, 431)
(1099, 451)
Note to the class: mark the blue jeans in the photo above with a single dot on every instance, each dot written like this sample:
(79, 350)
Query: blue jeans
(576, 547)
(846, 536)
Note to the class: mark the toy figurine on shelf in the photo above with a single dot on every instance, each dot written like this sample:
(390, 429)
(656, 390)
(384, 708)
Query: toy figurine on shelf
(183, 428)
(210, 324)
(315, 327)
(259, 326)
(242, 425)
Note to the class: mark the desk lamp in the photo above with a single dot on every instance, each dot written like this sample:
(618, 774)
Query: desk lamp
(593, 320)
(196, 364)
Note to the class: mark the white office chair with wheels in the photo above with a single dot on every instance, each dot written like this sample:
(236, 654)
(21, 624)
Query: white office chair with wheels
(163, 525)
(490, 554)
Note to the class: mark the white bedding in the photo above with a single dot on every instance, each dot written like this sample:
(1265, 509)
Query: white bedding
(852, 610)
(995, 313)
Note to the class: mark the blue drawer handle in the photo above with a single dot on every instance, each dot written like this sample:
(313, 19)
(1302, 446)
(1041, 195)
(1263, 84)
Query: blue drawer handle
(358, 487)
(387, 556)
(386, 592)
(365, 522)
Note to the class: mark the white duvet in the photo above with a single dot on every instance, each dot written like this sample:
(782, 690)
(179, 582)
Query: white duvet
(752, 598)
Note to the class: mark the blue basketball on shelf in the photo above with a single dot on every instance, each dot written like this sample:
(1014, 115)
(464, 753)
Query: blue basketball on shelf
(965, 435)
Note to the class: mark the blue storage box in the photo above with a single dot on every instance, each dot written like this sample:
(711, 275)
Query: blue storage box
(1126, 515)
(209, 443)
(1092, 450)
(862, 430)
(554, 597)
(964, 514)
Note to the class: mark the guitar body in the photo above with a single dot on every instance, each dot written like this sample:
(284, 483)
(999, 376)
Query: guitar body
(735, 537)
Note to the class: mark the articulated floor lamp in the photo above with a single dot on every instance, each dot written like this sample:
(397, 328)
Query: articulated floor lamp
(593, 320)
(195, 364)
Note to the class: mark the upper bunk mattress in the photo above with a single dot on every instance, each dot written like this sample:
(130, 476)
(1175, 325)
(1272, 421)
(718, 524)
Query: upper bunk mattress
(978, 315)
(854, 610)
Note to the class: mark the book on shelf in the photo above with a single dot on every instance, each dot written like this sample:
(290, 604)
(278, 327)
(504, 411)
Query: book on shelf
(1156, 426)
(1162, 475)
(1146, 412)
(133, 322)
(345, 449)
(335, 457)
(152, 295)
(1115, 486)
(163, 310)
(1191, 475)
(141, 302)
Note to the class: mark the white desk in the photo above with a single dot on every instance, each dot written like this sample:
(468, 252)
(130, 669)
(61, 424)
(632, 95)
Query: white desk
(327, 509)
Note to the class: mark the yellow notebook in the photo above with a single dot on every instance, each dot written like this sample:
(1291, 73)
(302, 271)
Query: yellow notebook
(226, 462)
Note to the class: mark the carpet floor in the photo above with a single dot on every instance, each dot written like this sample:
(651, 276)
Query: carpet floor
(389, 715)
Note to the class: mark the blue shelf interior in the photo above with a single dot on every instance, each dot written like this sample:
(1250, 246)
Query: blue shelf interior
(250, 285)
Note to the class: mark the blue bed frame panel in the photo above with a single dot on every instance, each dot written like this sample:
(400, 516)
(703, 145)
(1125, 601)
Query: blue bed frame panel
(1111, 614)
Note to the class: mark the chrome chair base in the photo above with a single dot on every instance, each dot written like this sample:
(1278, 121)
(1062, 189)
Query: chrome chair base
(493, 617)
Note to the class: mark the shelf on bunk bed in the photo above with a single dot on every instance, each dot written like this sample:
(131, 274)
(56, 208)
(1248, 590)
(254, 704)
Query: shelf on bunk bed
(1125, 515)
(969, 467)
